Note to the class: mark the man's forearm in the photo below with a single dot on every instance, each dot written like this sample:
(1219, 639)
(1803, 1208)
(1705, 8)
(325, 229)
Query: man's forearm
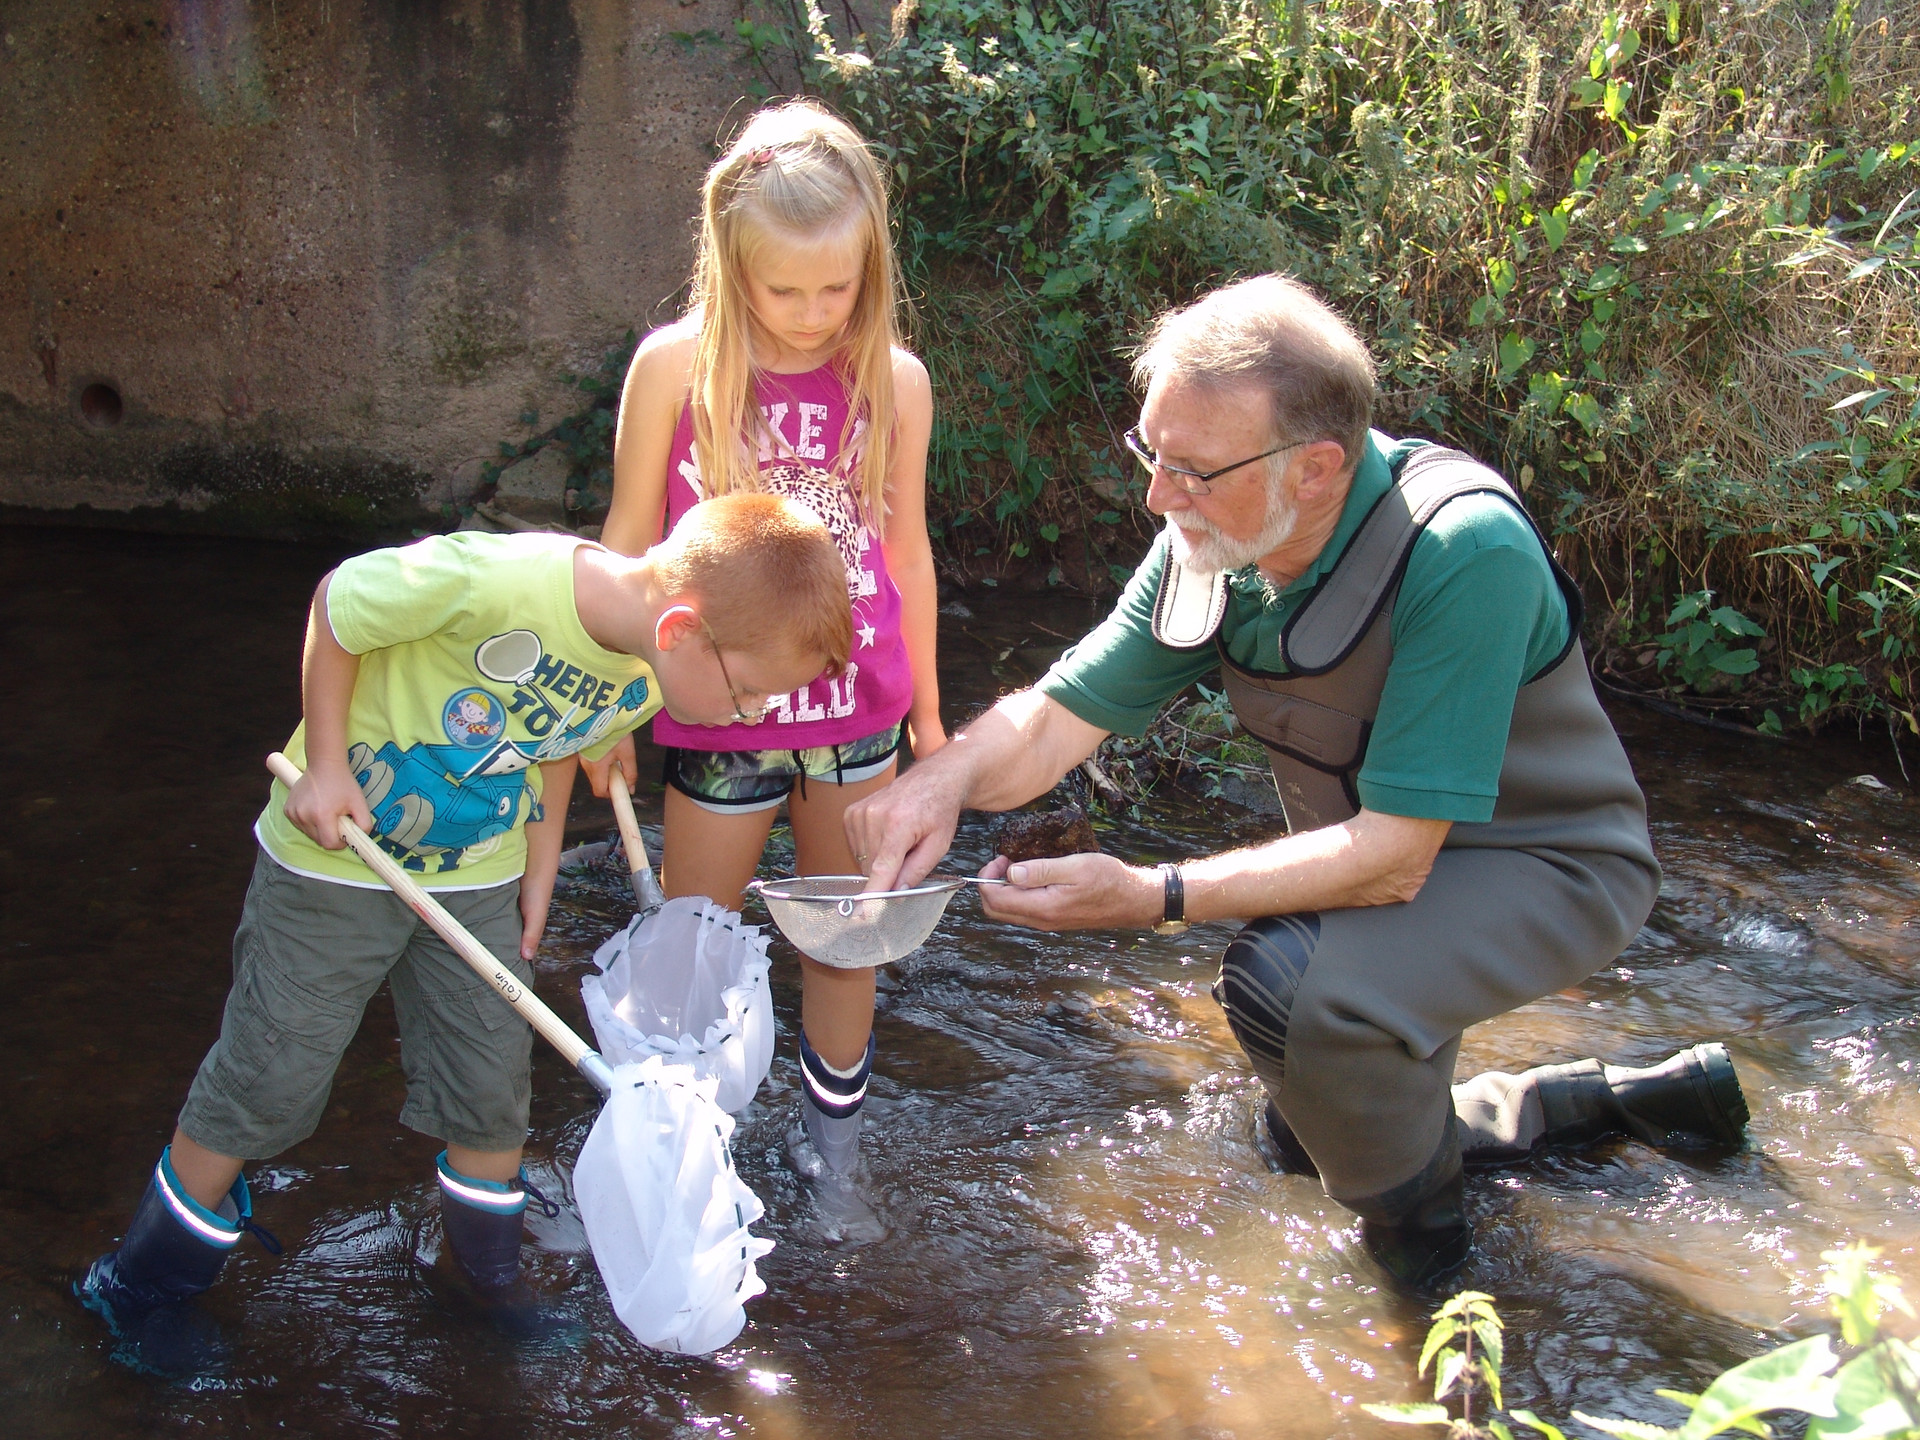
(1019, 749)
(1372, 859)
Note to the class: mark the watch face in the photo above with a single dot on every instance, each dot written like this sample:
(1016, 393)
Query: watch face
(1172, 927)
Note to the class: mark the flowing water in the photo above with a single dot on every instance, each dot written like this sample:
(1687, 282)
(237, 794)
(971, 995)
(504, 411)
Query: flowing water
(1082, 1237)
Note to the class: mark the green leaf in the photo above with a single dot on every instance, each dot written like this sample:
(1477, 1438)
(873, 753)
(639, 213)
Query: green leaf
(1733, 622)
(1736, 662)
(1453, 1364)
(1534, 1422)
(1050, 533)
(1066, 282)
(1794, 1377)
(1629, 245)
(1409, 1414)
(1501, 275)
(1626, 1429)
(1873, 1397)
(1553, 224)
(1584, 408)
(1477, 313)
(1487, 1332)
(1515, 351)
(1443, 1330)
(1583, 169)
(1860, 1296)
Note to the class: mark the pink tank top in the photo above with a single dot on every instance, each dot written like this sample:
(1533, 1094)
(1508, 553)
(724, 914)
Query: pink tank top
(808, 413)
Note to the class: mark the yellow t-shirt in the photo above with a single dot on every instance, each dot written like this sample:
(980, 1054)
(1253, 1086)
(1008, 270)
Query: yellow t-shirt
(474, 669)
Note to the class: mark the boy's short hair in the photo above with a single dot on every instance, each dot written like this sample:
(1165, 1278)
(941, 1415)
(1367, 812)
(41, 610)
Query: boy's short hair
(766, 573)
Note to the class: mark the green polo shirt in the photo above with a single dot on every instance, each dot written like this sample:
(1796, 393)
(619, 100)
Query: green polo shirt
(1479, 615)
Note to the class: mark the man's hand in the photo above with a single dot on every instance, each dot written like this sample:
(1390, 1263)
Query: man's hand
(1074, 892)
(621, 755)
(1015, 751)
(899, 833)
(320, 797)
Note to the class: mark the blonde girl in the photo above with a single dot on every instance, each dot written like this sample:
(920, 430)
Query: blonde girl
(788, 375)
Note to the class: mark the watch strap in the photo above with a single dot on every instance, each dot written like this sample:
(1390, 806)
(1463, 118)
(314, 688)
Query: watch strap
(1175, 908)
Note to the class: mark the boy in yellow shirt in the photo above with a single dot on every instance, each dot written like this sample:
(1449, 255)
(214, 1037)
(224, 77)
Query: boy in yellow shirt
(449, 688)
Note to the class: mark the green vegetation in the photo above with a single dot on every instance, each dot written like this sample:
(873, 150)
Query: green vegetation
(1657, 260)
(1875, 1395)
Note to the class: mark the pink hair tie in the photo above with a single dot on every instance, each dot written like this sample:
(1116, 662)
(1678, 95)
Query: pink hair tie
(763, 155)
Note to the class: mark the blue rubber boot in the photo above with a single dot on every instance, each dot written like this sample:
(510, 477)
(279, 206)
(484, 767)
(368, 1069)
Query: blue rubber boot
(482, 1221)
(173, 1251)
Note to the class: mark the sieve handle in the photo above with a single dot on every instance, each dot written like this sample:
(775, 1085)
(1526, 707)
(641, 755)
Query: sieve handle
(529, 1006)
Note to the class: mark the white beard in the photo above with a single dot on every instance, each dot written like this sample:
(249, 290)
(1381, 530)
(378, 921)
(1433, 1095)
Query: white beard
(1201, 548)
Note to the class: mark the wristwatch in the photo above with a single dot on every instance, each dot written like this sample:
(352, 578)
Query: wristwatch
(1174, 921)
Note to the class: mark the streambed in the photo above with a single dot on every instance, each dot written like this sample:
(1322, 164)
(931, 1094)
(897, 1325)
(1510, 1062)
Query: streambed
(1082, 1236)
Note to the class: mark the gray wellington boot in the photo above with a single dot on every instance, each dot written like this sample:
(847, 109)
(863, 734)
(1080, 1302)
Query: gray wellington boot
(1690, 1099)
(1418, 1231)
(836, 1137)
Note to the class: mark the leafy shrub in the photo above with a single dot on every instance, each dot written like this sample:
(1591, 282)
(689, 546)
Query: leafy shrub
(1656, 258)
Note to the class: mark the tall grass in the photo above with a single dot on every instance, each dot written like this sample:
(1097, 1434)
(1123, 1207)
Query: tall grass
(1657, 260)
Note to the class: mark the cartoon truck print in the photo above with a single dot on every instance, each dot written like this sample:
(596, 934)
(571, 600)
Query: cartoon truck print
(421, 802)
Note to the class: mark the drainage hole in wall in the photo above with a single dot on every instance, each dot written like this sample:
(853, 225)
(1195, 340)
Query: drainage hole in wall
(101, 406)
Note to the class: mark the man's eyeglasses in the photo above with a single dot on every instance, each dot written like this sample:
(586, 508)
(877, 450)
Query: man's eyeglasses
(741, 715)
(1194, 482)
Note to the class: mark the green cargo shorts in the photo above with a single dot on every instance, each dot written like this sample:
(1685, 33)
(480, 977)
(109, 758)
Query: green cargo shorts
(307, 957)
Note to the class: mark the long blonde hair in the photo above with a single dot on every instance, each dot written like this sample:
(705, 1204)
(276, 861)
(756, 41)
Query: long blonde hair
(796, 175)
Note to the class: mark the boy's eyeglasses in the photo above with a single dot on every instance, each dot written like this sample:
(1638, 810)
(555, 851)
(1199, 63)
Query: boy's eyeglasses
(1194, 482)
(741, 715)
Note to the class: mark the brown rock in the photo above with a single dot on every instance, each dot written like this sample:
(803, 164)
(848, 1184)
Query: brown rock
(1043, 835)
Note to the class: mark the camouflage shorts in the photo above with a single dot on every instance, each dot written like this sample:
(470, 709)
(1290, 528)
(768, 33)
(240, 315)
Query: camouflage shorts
(730, 782)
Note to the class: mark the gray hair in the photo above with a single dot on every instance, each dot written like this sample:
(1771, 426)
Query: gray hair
(1273, 334)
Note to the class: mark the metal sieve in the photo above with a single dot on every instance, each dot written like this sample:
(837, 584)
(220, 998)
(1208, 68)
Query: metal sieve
(836, 920)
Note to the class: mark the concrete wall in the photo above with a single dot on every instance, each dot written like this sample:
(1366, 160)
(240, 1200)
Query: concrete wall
(285, 263)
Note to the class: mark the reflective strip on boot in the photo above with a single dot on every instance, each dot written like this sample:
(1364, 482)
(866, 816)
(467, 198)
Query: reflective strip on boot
(208, 1225)
(835, 1092)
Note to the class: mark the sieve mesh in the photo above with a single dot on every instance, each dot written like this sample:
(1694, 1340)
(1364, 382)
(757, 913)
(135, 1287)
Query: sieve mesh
(836, 920)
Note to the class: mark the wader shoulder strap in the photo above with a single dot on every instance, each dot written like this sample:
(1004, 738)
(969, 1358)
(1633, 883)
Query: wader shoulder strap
(1188, 608)
(1350, 597)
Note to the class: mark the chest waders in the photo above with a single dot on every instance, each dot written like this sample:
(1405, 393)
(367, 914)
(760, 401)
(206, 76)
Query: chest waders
(1352, 1018)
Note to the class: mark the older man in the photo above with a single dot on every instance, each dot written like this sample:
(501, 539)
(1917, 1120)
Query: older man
(1464, 831)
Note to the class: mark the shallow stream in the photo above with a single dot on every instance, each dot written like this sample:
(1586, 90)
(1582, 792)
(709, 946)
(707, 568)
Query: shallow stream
(1082, 1237)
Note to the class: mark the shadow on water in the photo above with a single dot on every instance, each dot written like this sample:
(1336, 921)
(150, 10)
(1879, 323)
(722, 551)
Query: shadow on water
(1082, 1236)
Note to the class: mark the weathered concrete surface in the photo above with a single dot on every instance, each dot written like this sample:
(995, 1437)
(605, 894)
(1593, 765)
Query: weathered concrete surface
(289, 263)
